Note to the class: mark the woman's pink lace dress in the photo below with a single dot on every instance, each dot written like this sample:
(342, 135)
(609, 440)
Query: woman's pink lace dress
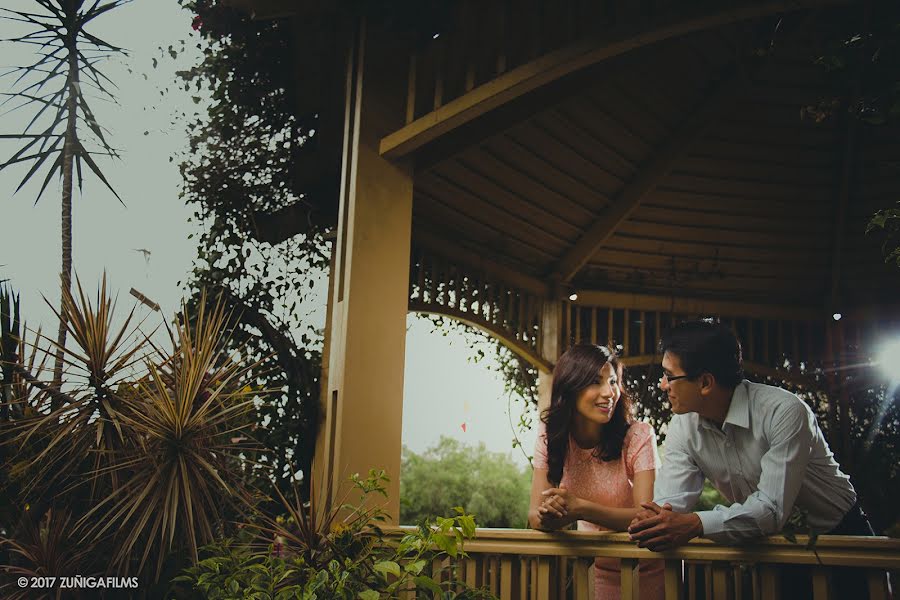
(609, 484)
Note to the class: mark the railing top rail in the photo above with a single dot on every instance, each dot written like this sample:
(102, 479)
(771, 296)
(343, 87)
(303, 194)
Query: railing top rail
(878, 552)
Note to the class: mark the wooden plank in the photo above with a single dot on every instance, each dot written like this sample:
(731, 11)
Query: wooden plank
(594, 325)
(692, 581)
(411, 88)
(626, 334)
(580, 583)
(478, 261)
(721, 581)
(646, 180)
(471, 572)
(877, 584)
(668, 303)
(506, 577)
(673, 580)
(642, 349)
(542, 582)
(769, 583)
(821, 583)
(553, 66)
(630, 580)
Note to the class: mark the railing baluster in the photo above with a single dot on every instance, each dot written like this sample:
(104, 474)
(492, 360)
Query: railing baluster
(769, 584)
(820, 583)
(542, 582)
(471, 572)
(673, 580)
(720, 581)
(507, 577)
(561, 577)
(630, 579)
(581, 583)
(737, 572)
(877, 587)
(692, 580)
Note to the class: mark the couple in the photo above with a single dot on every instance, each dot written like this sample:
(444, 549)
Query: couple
(760, 446)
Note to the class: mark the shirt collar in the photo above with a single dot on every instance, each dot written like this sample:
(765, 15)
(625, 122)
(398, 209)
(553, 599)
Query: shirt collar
(738, 411)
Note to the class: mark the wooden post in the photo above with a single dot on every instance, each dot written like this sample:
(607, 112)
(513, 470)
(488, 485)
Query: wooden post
(630, 580)
(673, 580)
(367, 339)
(550, 325)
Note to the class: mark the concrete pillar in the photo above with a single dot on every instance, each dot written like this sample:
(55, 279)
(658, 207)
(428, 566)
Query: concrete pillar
(370, 279)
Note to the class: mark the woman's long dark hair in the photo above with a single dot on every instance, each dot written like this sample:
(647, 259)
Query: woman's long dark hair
(576, 369)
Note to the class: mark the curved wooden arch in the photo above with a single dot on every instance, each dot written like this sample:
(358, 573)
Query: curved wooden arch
(553, 66)
(472, 320)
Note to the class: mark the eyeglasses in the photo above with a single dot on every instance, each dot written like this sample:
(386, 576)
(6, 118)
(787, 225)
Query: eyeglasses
(670, 378)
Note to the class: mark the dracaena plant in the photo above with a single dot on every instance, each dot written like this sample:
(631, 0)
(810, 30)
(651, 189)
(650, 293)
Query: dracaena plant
(145, 443)
(62, 135)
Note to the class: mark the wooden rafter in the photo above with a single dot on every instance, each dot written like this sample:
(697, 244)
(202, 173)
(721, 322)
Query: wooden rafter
(648, 177)
(554, 66)
(479, 262)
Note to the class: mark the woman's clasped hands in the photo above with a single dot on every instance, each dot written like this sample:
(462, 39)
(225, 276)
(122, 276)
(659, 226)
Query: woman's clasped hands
(558, 509)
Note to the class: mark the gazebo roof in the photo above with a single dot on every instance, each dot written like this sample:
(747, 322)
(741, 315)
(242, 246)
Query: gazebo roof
(653, 153)
(677, 170)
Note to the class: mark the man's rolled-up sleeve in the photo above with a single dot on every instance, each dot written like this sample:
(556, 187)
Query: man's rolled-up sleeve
(766, 510)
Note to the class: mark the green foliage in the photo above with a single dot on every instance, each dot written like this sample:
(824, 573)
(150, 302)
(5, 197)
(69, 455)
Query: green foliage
(887, 221)
(351, 559)
(488, 484)
(251, 128)
(55, 87)
(141, 462)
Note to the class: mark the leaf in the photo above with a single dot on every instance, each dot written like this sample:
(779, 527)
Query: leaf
(369, 595)
(387, 566)
(415, 567)
(446, 543)
(427, 583)
(467, 523)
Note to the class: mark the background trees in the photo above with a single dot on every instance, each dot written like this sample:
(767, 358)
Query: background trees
(488, 484)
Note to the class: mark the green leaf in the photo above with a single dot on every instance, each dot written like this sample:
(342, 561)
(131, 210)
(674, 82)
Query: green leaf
(427, 583)
(387, 566)
(446, 543)
(415, 567)
(369, 595)
(467, 523)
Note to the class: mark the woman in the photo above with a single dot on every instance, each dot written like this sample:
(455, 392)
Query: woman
(593, 463)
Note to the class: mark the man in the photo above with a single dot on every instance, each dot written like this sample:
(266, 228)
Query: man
(759, 445)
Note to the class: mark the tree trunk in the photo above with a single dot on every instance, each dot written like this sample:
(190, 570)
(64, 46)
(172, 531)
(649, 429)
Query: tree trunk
(69, 151)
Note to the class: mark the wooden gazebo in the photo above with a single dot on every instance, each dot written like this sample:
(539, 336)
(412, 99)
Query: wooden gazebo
(585, 171)
(562, 172)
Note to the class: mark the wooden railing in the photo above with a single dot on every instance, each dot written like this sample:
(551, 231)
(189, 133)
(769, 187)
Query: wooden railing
(530, 565)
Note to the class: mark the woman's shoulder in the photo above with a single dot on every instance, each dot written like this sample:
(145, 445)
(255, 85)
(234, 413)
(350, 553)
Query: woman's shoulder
(639, 431)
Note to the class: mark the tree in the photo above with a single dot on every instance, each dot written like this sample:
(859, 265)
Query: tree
(487, 484)
(251, 128)
(63, 133)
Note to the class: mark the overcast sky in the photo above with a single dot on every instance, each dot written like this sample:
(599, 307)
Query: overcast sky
(443, 389)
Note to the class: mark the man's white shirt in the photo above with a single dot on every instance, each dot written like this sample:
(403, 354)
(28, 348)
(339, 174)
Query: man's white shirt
(768, 456)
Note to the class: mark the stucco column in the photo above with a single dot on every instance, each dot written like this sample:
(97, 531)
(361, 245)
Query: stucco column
(369, 287)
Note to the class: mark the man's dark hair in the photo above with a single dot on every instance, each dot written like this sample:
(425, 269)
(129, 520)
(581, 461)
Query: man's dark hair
(706, 347)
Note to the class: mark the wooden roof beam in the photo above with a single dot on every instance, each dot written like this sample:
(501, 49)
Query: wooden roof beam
(552, 67)
(650, 175)
(478, 261)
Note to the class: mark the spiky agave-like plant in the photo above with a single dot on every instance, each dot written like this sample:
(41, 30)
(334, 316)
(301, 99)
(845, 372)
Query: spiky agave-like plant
(145, 447)
(63, 133)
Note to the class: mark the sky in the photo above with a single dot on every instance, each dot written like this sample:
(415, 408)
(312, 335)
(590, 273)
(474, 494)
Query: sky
(143, 243)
